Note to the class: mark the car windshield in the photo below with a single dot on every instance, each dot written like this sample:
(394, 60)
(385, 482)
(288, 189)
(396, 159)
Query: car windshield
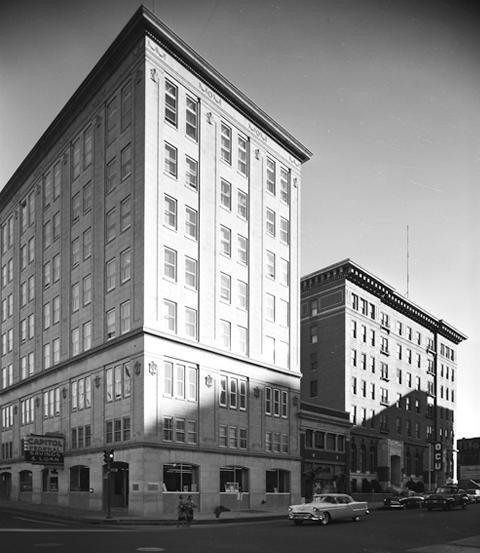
(324, 499)
(444, 490)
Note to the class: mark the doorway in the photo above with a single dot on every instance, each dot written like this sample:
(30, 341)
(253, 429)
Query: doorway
(119, 485)
(395, 472)
(5, 485)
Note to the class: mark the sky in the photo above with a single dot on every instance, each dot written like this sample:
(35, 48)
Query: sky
(384, 93)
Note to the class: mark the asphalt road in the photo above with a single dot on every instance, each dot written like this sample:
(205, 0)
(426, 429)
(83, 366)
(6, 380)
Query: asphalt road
(383, 532)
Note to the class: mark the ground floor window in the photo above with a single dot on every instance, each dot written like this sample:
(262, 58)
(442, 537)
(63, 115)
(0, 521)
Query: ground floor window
(49, 480)
(233, 479)
(79, 479)
(180, 477)
(26, 481)
(277, 481)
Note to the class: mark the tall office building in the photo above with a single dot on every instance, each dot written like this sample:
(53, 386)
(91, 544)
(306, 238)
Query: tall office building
(149, 270)
(368, 350)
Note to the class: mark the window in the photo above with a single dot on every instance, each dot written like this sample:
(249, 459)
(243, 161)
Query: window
(51, 403)
(171, 101)
(354, 385)
(270, 222)
(242, 205)
(126, 162)
(170, 212)
(242, 340)
(125, 322)
(191, 175)
(79, 479)
(284, 271)
(111, 123)
(313, 334)
(270, 176)
(242, 249)
(313, 388)
(226, 194)
(110, 275)
(76, 167)
(81, 393)
(111, 175)
(226, 143)
(75, 297)
(191, 272)
(47, 234)
(118, 382)
(270, 307)
(270, 264)
(170, 315)
(110, 225)
(87, 335)
(180, 477)
(125, 266)
(242, 155)
(225, 334)
(170, 160)
(56, 350)
(87, 243)
(56, 268)
(242, 295)
(126, 107)
(284, 185)
(191, 121)
(225, 287)
(110, 324)
(191, 322)
(225, 241)
(191, 218)
(269, 348)
(283, 313)
(75, 341)
(170, 264)
(125, 214)
(384, 372)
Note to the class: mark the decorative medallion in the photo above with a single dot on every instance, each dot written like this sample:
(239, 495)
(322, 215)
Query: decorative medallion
(257, 132)
(256, 391)
(210, 118)
(97, 381)
(257, 153)
(152, 367)
(137, 367)
(209, 93)
(98, 120)
(153, 74)
(294, 161)
(64, 392)
(208, 381)
(295, 401)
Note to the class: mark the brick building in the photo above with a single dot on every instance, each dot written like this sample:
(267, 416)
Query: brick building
(158, 206)
(368, 350)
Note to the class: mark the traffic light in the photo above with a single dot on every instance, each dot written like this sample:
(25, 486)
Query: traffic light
(108, 457)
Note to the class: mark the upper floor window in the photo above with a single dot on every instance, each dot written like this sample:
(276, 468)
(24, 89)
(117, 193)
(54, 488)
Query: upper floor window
(191, 121)
(76, 160)
(111, 121)
(284, 185)
(271, 176)
(226, 143)
(270, 222)
(118, 382)
(242, 204)
(191, 175)
(126, 106)
(226, 194)
(284, 230)
(171, 102)
(81, 393)
(170, 159)
(242, 155)
(87, 146)
(180, 380)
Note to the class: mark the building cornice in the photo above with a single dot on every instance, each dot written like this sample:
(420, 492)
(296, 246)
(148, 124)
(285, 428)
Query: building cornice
(349, 270)
(142, 24)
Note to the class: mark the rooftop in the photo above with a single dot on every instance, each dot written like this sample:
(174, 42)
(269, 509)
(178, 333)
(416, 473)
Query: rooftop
(349, 270)
(145, 23)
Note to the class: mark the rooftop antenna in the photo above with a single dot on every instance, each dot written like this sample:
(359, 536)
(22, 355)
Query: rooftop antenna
(408, 263)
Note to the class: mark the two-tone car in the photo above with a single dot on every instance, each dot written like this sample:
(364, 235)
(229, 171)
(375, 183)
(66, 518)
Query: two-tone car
(404, 502)
(327, 507)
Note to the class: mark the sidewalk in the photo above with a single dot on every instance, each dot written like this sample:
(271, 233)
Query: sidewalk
(122, 518)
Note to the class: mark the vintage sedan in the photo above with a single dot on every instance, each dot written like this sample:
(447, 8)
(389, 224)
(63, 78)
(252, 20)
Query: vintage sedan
(327, 507)
(404, 502)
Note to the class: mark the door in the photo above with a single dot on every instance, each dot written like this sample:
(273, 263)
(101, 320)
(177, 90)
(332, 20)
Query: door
(5, 485)
(120, 484)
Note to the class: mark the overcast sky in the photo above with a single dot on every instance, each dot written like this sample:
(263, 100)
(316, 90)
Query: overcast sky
(385, 93)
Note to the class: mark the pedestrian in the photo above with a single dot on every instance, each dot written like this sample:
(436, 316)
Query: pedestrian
(181, 512)
(189, 506)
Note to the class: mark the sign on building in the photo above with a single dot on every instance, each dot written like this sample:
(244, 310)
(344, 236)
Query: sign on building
(44, 450)
(437, 455)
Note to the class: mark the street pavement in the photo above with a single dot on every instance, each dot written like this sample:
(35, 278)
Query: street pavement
(410, 531)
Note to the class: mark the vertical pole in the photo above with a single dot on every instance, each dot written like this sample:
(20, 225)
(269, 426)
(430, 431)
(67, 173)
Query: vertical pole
(429, 467)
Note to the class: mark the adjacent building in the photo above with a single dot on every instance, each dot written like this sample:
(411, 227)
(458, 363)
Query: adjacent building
(368, 350)
(468, 462)
(149, 292)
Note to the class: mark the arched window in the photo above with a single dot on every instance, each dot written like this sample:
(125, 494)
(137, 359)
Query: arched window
(233, 479)
(180, 477)
(26, 484)
(277, 481)
(363, 458)
(79, 479)
(353, 456)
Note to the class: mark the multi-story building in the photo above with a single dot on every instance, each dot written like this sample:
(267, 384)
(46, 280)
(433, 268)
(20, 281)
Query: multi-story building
(149, 269)
(468, 462)
(368, 350)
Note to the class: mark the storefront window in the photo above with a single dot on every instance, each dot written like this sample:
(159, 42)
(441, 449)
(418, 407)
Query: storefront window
(277, 481)
(233, 479)
(179, 477)
(79, 479)
(25, 481)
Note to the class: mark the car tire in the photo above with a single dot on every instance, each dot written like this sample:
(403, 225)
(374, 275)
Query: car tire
(298, 522)
(325, 520)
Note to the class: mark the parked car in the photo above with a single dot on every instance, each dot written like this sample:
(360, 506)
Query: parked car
(327, 507)
(474, 495)
(404, 502)
(446, 498)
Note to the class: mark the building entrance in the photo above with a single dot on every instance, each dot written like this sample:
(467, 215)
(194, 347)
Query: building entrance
(118, 485)
(395, 472)
(5, 485)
